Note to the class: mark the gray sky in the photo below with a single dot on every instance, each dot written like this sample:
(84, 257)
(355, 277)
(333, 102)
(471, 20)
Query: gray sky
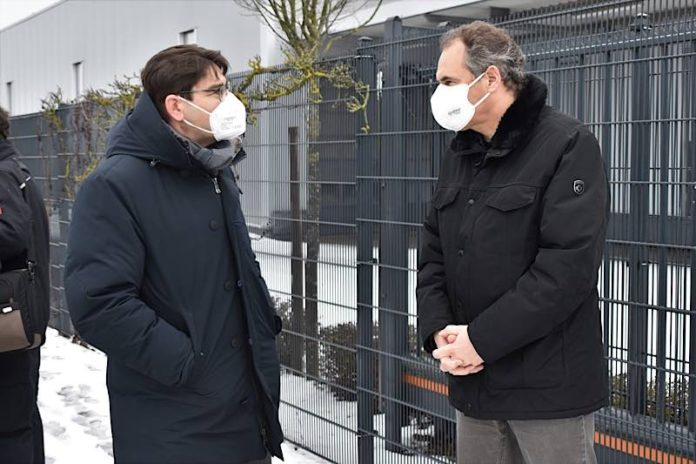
(12, 11)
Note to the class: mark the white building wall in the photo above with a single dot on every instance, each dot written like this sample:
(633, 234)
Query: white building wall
(113, 38)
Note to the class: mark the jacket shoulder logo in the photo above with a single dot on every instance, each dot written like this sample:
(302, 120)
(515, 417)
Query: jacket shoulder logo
(578, 187)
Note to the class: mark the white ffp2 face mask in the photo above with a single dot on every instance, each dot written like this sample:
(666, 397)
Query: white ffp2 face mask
(451, 106)
(227, 121)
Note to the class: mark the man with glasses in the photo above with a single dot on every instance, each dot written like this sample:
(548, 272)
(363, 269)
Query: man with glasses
(160, 275)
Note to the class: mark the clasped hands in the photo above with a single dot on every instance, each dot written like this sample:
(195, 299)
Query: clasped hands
(455, 352)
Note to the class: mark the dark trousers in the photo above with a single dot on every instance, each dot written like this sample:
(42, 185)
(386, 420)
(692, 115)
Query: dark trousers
(21, 431)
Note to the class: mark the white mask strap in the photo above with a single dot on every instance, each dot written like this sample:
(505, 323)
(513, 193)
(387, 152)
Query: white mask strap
(194, 105)
(199, 128)
(477, 79)
(198, 108)
(488, 94)
(483, 99)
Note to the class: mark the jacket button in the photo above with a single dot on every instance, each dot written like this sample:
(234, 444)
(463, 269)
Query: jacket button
(235, 343)
(251, 342)
(471, 201)
(240, 283)
(460, 305)
(468, 406)
(213, 225)
(229, 285)
(461, 252)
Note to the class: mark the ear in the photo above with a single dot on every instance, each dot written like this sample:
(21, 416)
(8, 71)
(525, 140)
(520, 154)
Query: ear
(173, 108)
(493, 78)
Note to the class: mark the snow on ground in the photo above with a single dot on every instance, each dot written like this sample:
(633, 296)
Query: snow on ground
(75, 407)
(310, 422)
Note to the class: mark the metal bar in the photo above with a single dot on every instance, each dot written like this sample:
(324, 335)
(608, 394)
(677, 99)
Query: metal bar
(637, 318)
(393, 248)
(365, 378)
(660, 385)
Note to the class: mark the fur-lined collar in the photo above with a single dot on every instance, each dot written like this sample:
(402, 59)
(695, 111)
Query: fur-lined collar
(514, 127)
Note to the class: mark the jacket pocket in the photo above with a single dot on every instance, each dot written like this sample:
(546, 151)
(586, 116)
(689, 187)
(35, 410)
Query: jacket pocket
(512, 198)
(538, 365)
(505, 374)
(506, 224)
(262, 299)
(449, 216)
(444, 197)
(544, 362)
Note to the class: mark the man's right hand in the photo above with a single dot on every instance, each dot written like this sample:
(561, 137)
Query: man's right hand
(442, 339)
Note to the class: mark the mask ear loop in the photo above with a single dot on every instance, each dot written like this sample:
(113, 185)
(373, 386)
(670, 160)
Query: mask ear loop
(200, 109)
(194, 105)
(483, 99)
(477, 79)
(199, 128)
(488, 94)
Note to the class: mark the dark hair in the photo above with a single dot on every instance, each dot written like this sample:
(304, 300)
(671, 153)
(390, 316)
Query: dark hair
(177, 69)
(4, 124)
(488, 45)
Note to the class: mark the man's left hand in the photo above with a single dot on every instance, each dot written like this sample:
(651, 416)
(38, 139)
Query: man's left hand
(458, 357)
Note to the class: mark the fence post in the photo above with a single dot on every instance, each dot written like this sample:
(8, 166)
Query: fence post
(691, 163)
(365, 193)
(638, 259)
(393, 250)
(663, 237)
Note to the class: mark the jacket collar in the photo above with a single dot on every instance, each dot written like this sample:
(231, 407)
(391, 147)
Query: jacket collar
(515, 125)
(214, 158)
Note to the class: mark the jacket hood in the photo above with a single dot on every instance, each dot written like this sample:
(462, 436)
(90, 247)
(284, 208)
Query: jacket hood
(144, 134)
(6, 149)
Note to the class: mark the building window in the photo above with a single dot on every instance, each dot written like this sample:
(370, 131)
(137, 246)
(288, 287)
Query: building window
(9, 97)
(79, 78)
(188, 37)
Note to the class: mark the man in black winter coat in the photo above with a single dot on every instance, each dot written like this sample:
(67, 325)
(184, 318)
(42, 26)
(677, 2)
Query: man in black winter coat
(160, 275)
(23, 222)
(507, 282)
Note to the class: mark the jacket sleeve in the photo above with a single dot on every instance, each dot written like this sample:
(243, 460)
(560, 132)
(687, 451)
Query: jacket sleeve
(103, 273)
(571, 241)
(434, 312)
(15, 218)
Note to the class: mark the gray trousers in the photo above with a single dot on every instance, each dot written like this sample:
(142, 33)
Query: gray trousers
(554, 441)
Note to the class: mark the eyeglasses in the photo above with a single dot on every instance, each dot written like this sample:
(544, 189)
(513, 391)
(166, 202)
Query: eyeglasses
(220, 91)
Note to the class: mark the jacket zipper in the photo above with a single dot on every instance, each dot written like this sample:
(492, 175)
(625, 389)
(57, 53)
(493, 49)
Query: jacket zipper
(217, 185)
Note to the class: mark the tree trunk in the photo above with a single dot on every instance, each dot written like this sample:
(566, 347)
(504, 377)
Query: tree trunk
(313, 239)
(296, 354)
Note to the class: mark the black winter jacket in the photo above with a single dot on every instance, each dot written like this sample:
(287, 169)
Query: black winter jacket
(160, 275)
(23, 219)
(512, 245)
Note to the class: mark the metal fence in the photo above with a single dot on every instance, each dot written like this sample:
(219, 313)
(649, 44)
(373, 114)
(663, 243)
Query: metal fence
(336, 216)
